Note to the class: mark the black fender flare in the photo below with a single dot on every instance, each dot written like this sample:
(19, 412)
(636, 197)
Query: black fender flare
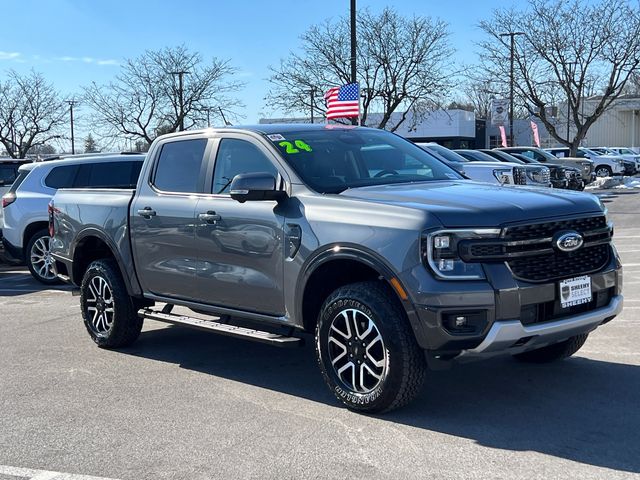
(133, 287)
(363, 255)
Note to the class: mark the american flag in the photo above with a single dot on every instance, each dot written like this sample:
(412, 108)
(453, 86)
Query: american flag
(343, 102)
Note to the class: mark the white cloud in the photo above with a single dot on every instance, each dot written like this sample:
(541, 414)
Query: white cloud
(89, 60)
(108, 62)
(9, 55)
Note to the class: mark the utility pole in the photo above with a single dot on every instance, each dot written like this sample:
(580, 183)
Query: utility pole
(354, 121)
(181, 74)
(511, 81)
(73, 144)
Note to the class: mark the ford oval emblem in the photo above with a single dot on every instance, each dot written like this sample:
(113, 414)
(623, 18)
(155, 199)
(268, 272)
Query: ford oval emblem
(569, 241)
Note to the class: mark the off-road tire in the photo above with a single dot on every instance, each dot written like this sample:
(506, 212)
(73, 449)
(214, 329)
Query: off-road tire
(125, 324)
(554, 352)
(33, 252)
(405, 363)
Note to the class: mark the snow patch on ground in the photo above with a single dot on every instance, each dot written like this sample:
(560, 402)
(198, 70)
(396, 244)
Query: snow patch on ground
(614, 182)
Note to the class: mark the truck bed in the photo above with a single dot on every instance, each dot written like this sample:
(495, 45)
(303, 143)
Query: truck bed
(105, 212)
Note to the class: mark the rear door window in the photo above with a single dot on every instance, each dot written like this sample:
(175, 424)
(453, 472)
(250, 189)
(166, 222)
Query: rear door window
(179, 167)
(108, 175)
(61, 177)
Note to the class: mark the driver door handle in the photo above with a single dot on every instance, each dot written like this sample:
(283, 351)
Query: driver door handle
(209, 217)
(147, 212)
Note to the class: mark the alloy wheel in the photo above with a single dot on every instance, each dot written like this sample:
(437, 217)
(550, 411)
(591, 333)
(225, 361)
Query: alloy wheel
(357, 351)
(99, 303)
(41, 258)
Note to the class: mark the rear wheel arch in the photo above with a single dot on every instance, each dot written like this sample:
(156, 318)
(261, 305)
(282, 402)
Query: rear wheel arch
(90, 246)
(30, 231)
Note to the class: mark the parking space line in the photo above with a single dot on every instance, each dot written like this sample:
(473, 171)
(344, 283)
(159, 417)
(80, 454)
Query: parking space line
(28, 473)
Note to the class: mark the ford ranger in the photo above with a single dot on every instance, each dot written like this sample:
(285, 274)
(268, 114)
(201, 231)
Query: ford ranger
(389, 258)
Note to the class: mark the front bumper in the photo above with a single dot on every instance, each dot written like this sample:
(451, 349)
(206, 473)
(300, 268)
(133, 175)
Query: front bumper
(513, 336)
(503, 307)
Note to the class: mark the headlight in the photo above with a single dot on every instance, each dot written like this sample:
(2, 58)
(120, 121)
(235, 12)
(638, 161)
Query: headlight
(502, 175)
(440, 253)
(540, 175)
(621, 162)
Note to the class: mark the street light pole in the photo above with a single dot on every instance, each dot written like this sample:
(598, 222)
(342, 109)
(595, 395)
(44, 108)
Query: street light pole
(312, 92)
(73, 144)
(511, 81)
(181, 74)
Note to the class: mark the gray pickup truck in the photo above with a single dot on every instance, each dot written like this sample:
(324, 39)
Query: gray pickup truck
(390, 258)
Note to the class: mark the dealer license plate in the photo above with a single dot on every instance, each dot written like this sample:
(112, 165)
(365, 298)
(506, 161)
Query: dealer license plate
(575, 291)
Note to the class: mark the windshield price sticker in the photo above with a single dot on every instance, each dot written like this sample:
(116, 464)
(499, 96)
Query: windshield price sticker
(275, 137)
(575, 291)
(295, 147)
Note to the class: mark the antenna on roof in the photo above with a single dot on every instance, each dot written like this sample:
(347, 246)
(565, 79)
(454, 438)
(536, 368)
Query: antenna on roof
(228, 124)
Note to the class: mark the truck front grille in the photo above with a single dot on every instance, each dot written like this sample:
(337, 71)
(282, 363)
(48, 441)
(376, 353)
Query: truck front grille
(529, 251)
(519, 176)
(559, 264)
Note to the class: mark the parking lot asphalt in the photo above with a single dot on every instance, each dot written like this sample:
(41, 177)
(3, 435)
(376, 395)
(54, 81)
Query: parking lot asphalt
(181, 404)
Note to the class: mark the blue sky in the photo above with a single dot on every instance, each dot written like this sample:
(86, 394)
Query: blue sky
(74, 42)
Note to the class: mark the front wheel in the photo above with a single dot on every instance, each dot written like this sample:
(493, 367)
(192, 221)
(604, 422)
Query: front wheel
(366, 349)
(108, 311)
(554, 352)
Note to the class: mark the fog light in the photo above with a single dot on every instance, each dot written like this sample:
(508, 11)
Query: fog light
(464, 323)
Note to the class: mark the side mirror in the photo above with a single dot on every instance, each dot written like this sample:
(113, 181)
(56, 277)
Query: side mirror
(255, 186)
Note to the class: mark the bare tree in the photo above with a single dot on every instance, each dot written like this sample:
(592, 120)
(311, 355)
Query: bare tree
(402, 66)
(146, 97)
(31, 113)
(569, 49)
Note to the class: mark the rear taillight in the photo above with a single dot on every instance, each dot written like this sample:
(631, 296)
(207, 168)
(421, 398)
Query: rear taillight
(8, 198)
(50, 210)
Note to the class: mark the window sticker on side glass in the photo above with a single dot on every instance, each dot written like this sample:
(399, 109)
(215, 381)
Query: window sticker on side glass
(275, 137)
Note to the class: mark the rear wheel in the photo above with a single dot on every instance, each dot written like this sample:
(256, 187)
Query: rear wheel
(603, 171)
(554, 352)
(39, 259)
(366, 349)
(108, 311)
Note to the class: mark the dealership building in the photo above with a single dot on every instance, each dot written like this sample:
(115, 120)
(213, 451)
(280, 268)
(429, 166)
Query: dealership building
(619, 126)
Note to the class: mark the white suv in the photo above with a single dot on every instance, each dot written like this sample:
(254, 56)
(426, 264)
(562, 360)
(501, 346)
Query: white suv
(604, 165)
(25, 205)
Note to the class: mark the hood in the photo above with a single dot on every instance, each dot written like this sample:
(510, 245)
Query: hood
(474, 204)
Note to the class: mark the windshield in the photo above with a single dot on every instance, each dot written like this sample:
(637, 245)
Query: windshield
(504, 157)
(332, 160)
(445, 152)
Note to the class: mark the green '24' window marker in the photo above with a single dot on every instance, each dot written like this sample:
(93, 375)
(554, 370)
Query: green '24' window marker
(290, 148)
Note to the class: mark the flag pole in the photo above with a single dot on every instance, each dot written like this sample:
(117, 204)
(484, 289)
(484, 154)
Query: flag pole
(353, 54)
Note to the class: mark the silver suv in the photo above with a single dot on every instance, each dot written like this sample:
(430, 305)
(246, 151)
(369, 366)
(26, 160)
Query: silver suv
(25, 231)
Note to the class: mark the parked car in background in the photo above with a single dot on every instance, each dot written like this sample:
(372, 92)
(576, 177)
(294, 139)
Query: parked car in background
(25, 230)
(478, 171)
(631, 160)
(557, 173)
(604, 165)
(535, 175)
(8, 174)
(544, 157)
